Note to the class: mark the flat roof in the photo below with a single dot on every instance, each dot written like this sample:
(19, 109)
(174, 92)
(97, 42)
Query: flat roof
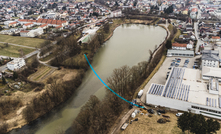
(211, 71)
(186, 84)
(180, 51)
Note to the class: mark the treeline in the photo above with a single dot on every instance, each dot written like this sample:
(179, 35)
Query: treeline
(97, 117)
(196, 123)
(65, 48)
(55, 93)
(73, 54)
(7, 106)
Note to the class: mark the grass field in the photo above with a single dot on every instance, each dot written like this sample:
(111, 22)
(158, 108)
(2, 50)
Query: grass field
(32, 42)
(149, 125)
(178, 33)
(13, 51)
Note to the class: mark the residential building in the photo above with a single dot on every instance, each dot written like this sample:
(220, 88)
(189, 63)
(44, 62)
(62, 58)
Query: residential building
(16, 64)
(179, 46)
(210, 58)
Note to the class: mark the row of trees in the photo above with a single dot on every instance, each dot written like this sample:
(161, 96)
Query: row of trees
(197, 124)
(55, 93)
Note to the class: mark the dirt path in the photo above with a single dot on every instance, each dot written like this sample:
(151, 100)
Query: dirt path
(122, 121)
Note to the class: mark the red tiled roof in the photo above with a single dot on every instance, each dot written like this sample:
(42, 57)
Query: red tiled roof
(24, 31)
(39, 20)
(13, 22)
(43, 25)
(178, 45)
(215, 37)
(28, 24)
(58, 27)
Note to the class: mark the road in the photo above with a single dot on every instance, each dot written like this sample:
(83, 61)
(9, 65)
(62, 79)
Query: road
(18, 45)
(4, 67)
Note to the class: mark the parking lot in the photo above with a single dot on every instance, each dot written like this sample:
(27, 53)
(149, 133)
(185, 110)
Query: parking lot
(161, 74)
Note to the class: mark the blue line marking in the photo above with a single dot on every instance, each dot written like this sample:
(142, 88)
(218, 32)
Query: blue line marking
(107, 85)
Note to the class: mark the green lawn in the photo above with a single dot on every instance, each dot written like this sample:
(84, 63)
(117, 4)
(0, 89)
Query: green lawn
(32, 42)
(178, 33)
(12, 51)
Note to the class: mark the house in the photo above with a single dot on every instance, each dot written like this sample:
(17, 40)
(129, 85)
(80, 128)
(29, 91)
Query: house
(24, 33)
(13, 24)
(179, 46)
(116, 13)
(189, 46)
(44, 26)
(16, 64)
(215, 38)
(59, 27)
(210, 58)
(28, 25)
(35, 32)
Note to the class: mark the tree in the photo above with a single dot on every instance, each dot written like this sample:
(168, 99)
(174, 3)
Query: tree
(184, 121)
(15, 75)
(168, 44)
(197, 124)
(54, 5)
(3, 80)
(213, 126)
(135, 3)
(106, 28)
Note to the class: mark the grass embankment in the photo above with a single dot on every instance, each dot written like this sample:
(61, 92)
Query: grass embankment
(50, 56)
(178, 33)
(31, 42)
(151, 75)
(13, 51)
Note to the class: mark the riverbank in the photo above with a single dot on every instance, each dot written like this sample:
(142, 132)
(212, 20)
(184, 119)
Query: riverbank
(111, 32)
(154, 63)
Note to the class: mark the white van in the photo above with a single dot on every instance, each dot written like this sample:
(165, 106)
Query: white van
(179, 114)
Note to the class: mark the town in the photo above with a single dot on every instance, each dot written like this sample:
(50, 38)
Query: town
(161, 56)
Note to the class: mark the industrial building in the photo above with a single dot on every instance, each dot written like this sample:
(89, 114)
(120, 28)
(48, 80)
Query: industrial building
(181, 53)
(186, 91)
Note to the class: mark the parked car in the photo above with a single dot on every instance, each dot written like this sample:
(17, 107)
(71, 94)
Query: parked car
(161, 111)
(150, 111)
(177, 64)
(172, 64)
(133, 101)
(140, 93)
(179, 114)
(170, 68)
(124, 126)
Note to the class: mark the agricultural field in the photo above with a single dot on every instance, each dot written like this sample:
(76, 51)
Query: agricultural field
(13, 51)
(42, 73)
(31, 42)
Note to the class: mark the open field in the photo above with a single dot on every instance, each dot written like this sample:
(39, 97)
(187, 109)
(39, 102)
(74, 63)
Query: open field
(47, 57)
(41, 74)
(31, 42)
(149, 125)
(13, 51)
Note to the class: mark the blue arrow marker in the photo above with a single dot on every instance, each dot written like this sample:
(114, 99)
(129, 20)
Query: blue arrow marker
(109, 87)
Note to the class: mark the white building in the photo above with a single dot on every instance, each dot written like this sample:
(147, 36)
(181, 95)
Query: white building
(32, 33)
(16, 64)
(186, 91)
(116, 13)
(210, 58)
